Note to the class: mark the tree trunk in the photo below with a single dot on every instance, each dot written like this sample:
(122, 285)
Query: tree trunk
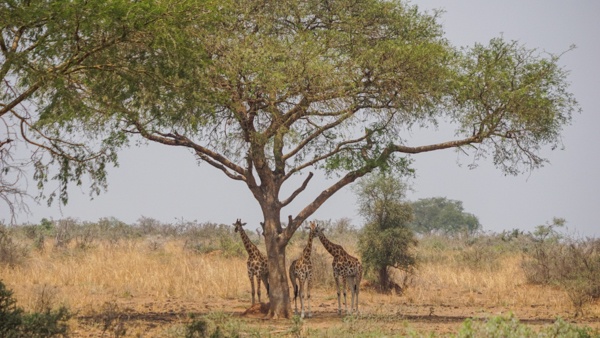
(279, 291)
(384, 279)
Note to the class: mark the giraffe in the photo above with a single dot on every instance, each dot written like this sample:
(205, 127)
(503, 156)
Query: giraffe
(301, 272)
(257, 262)
(345, 267)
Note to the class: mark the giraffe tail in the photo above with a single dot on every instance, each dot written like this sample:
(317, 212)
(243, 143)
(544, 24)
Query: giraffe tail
(295, 291)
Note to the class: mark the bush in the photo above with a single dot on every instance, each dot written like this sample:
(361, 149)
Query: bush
(49, 323)
(10, 314)
(545, 247)
(213, 325)
(231, 247)
(11, 253)
(200, 328)
(383, 249)
(506, 327)
(111, 319)
(501, 327)
(15, 323)
(573, 265)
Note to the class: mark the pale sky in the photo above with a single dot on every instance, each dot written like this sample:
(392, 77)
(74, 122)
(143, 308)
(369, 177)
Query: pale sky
(167, 184)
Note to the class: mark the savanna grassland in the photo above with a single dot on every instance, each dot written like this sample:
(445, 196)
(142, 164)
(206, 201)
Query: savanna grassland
(157, 280)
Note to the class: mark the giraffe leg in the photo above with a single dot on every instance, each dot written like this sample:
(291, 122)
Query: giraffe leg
(337, 284)
(258, 287)
(265, 279)
(292, 275)
(295, 286)
(344, 289)
(352, 285)
(252, 285)
(301, 291)
(356, 291)
(308, 286)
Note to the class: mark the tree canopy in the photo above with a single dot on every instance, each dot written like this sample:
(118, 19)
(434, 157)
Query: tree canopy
(47, 50)
(265, 90)
(442, 215)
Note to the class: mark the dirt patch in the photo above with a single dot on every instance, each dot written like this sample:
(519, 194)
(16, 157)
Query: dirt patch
(393, 314)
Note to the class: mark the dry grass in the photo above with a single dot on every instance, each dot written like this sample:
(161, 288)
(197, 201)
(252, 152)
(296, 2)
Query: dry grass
(82, 279)
(142, 276)
(504, 286)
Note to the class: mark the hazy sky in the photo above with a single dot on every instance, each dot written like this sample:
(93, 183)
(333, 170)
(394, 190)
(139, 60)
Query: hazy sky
(168, 184)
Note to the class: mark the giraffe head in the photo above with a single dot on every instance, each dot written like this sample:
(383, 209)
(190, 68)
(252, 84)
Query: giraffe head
(238, 225)
(314, 228)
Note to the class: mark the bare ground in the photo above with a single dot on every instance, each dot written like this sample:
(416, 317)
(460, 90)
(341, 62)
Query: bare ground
(385, 314)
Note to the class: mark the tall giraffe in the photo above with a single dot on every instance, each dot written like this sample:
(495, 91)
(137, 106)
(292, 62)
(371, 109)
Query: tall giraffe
(301, 270)
(257, 262)
(345, 267)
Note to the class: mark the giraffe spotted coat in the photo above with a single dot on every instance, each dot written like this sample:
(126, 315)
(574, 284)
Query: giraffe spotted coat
(257, 262)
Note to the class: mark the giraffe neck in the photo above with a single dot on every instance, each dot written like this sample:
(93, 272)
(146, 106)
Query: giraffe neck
(308, 248)
(329, 246)
(250, 247)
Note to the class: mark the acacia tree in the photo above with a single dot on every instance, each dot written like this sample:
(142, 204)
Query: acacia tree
(45, 47)
(266, 90)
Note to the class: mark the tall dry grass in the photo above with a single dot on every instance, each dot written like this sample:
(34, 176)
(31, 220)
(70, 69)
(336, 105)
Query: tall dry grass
(451, 283)
(82, 279)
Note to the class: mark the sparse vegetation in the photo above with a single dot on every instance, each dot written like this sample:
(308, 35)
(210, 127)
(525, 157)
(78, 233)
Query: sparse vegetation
(151, 276)
(509, 326)
(572, 264)
(11, 253)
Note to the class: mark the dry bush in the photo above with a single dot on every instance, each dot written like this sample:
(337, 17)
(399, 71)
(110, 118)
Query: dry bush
(572, 264)
(322, 269)
(111, 319)
(12, 253)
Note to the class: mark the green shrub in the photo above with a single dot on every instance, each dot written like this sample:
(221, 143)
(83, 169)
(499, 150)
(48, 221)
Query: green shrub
(49, 323)
(14, 323)
(231, 247)
(509, 326)
(10, 314)
(383, 249)
(501, 327)
(199, 327)
(563, 329)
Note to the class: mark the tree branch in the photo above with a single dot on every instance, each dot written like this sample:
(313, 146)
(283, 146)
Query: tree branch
(367, 168)
(217, 160)
(339, 148)
(438, 146)
(54, 149)
(317, 132)
(298, 191)
(221, 167)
